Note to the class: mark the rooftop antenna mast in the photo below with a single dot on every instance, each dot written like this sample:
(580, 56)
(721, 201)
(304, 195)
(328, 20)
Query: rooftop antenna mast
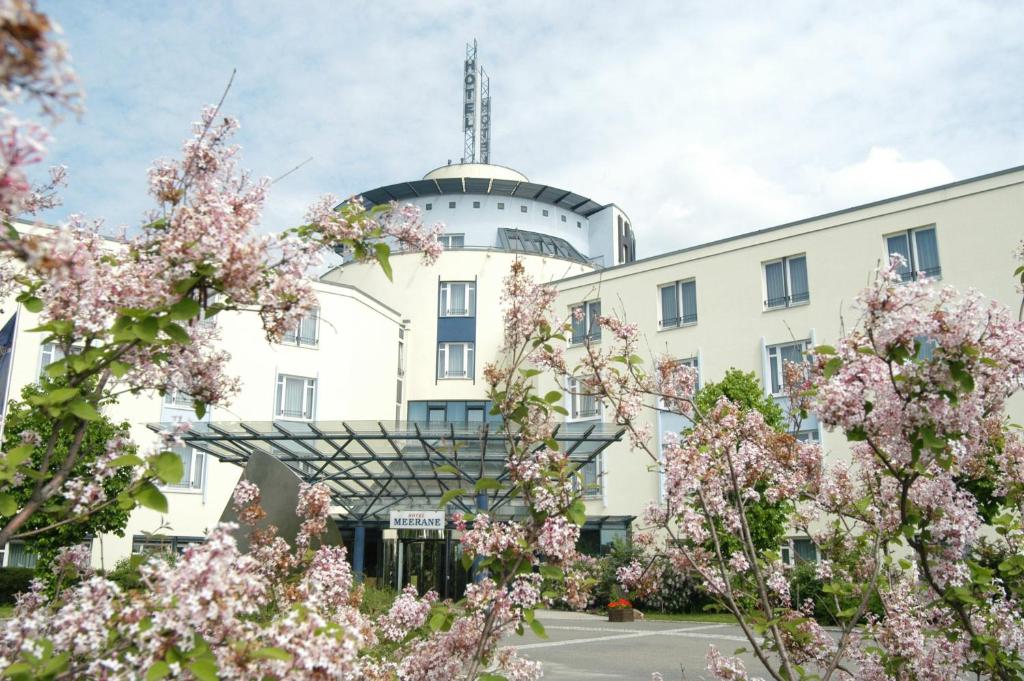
(476, 110)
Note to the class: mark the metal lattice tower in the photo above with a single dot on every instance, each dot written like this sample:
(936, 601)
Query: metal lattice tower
(476, 110)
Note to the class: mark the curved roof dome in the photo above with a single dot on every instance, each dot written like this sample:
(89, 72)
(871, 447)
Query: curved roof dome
(484, 170)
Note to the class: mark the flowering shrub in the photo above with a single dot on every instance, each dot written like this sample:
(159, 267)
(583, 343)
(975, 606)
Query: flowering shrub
(920, 389)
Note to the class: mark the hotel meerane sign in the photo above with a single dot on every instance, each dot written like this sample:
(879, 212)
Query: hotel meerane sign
(417, 520)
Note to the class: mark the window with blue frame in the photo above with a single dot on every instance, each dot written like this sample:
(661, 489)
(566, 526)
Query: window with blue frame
(584, 322)
(455, 360)
(452, 411)
(785, 282)
(678, 304)
(457, 299)
(920, 251)
(778, 355)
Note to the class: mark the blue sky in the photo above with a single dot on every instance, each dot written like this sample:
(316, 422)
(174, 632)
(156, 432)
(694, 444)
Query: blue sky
(700, 119)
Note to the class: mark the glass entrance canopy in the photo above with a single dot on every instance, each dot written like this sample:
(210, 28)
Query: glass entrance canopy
(373, 467)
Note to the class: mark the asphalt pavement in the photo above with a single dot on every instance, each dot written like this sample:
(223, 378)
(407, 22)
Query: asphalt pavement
(581, 646)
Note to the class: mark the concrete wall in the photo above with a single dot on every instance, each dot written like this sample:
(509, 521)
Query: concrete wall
(978, 225)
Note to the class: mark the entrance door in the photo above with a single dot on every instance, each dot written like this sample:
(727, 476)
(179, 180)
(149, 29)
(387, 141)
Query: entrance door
(423, 564)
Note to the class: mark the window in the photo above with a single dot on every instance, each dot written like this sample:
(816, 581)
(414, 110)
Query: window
(154, 543)
(436, 415)
(582, 404)
(50, 353)
(455, 360)
(778, 355)
(457, 299)
(678, 304)
(522, 209)
(501, 205)
(519, 240)
(452, 240)
(579, 224)
(430, 206)
(544, 212)
(691, 362)
(584, 322)
(296, 397)
(919, 249)
(589, 479)
(178, 398)
(785, 282)
(193, 465)
(305, 332)
(809, 436)
(563, 218)
(475, 415)
(451, 204)
(476, 204)
(20, 555)
(799, 550)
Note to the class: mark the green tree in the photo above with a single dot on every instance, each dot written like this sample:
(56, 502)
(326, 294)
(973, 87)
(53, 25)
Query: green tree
(24, 418)
(767, 520)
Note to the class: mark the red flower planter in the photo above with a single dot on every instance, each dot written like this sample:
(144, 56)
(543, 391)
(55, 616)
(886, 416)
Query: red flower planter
(621, 615)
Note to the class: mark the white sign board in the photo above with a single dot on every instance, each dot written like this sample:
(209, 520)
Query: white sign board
(417, 520)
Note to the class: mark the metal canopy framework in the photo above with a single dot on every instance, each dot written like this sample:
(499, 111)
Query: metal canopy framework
(562, 198)
(373, 467)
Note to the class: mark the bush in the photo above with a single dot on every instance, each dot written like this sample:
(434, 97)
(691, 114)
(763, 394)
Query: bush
(676, 592)
(126, 574)
(804, 585)
(377, 601)
(13, 581)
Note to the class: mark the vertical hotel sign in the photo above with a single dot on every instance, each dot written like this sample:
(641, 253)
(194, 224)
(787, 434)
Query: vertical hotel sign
(417, 520)
(470, 112)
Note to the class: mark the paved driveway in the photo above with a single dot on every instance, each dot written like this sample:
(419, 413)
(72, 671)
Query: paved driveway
(589, 647)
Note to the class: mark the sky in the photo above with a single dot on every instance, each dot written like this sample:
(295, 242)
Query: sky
(700, 119)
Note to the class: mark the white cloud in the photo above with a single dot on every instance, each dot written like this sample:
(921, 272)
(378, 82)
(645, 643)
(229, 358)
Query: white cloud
(884, 173)
(701, 120)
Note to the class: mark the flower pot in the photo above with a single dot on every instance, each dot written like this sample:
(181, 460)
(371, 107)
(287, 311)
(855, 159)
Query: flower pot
(620, 614)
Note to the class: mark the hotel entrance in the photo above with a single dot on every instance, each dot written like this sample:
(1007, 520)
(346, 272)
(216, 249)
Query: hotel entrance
(426, 559)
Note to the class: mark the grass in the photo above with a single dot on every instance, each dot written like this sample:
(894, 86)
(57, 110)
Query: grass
(718, 617)
(6, 611)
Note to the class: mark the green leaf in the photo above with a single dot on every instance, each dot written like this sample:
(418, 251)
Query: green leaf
(60, 395)
(55, 664)
(552, 572)
(383, 252)
(831, 367)
(486, 483)
(32, 304)
(84, 410)
(17, 668)
(578, 512)
(199, 408)
(538, 628)
(8, 505)
(18, 454)
(447, 468)
(204, 670)
(273, 654)
(150, 497)
(147, 329)
(437, 620)
(177, 334)
(488, 676)
(552, 397)
(449, 495)
(168, 467)
(159, 670)
(185, 309)
(126, 460)
(824, 350)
